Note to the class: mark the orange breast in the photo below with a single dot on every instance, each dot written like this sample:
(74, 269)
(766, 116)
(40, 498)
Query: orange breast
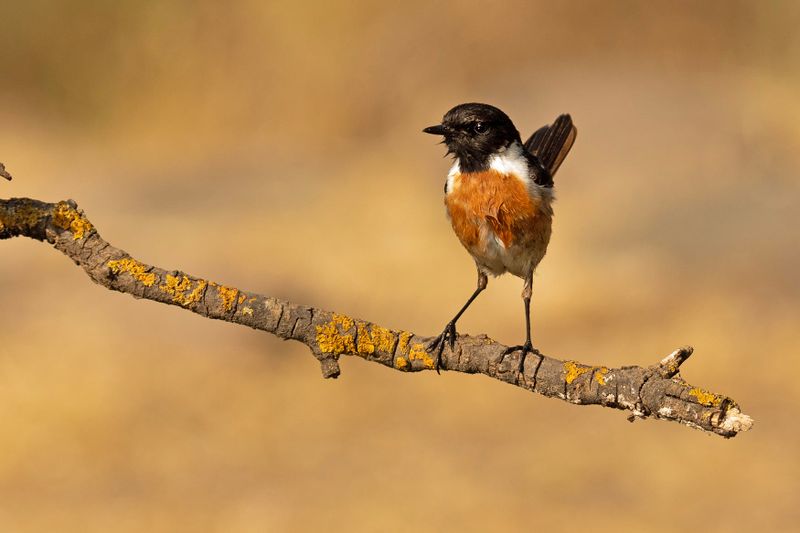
(491, 200)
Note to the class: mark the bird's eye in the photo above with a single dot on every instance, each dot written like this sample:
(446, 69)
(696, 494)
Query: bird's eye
(480, 127)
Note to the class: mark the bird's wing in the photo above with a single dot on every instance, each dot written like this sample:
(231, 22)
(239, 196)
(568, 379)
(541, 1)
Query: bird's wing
(551, 144)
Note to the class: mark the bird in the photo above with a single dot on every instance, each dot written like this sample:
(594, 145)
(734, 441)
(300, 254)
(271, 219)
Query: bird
(498, 196)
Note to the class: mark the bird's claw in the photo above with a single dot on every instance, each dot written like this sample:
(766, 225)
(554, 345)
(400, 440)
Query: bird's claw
(448, 336)
(525, 349)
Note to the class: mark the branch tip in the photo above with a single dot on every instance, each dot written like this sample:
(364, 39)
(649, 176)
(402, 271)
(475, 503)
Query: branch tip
(735, 421)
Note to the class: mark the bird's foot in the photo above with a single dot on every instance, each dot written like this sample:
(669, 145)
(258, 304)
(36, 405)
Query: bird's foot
(448, 336)
(525, 349)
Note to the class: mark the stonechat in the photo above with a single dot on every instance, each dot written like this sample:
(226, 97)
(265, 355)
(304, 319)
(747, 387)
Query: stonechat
(499, 196)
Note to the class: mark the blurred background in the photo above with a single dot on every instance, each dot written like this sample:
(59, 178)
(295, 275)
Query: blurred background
(277, 147)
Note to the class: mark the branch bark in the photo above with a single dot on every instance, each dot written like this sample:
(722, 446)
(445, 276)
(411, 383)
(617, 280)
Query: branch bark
(656, 391)
(3, 172)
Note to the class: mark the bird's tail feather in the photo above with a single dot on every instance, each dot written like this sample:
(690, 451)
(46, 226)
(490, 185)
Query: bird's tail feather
(551, 144)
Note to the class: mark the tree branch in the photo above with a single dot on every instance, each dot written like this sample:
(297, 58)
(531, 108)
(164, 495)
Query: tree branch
(3, 172)
(656, 391)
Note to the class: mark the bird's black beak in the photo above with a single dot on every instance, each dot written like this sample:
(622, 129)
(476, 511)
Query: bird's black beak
(435, 130)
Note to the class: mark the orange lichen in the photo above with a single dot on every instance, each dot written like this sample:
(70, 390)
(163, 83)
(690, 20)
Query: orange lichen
(227, 295)
(574, 370)
(178, 288)
(334, 337)
(709, 399)
(402, 343)
(374, 338)
(419, 353)
(134, 268)
(197, 293)
(67, 217)
(401, 363)
(600, 375)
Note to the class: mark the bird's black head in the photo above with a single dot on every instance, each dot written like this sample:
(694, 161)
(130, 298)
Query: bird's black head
(474, 132)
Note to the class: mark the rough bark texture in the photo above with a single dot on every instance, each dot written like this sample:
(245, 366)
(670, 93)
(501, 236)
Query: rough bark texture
(3, 172)
(657, 391)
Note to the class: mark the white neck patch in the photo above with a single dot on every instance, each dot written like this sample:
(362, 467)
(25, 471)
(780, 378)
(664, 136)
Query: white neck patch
(455, 170)
(511, 161)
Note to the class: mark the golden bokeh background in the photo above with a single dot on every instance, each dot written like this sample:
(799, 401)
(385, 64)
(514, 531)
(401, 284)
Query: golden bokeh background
(277, 147)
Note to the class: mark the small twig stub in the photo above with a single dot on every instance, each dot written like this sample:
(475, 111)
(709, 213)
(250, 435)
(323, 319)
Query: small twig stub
(3, 172)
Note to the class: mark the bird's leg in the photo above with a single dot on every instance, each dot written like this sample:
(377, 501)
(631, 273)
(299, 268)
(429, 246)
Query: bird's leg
(527, 290)
(449, 334)
(528, 346)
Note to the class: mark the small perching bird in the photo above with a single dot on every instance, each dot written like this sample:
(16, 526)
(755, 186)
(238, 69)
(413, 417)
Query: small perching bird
(499, 195)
